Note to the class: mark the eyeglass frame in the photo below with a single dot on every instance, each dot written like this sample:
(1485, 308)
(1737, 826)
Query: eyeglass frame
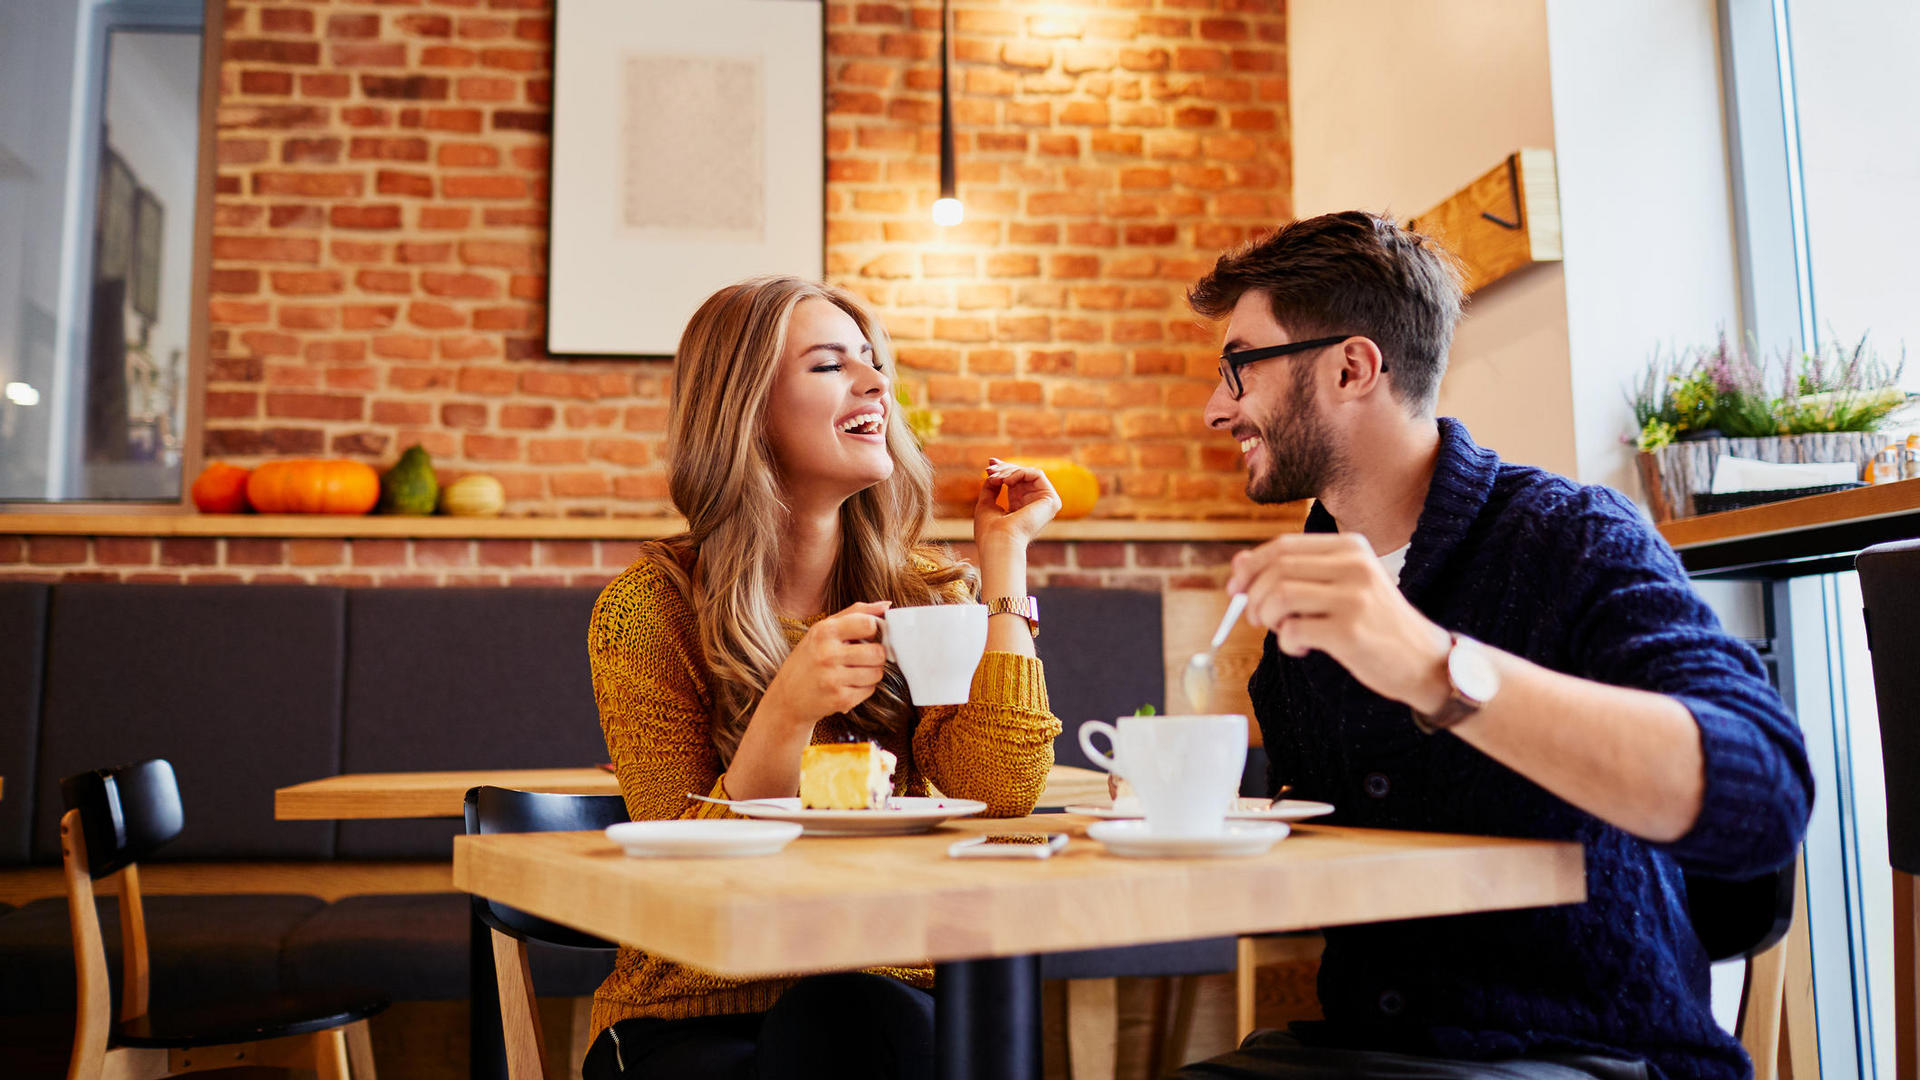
(1231, 361)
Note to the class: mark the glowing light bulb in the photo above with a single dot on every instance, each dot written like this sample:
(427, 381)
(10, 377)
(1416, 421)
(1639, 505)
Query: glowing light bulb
(22, 394)
(948, 211)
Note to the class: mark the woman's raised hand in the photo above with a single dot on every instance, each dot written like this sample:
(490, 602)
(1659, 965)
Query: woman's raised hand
(1031, 503)
(835, 666)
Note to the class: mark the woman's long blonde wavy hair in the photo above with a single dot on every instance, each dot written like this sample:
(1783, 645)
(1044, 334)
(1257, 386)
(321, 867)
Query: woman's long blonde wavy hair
(725, 481)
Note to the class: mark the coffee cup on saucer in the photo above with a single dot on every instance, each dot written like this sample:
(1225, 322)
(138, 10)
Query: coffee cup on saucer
(1185, 770)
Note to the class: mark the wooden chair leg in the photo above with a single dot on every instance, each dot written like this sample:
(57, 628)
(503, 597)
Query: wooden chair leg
(582, 1035)
(1245, 967)
(360, 1050)
(330, 1054)
(1906, 979)
(519, 1012)
(1173, 1053)
(1762, 1004)
(1093, 1027)
(1801, 1046)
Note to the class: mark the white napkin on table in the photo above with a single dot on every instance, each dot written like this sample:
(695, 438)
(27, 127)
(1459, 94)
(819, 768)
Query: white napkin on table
(1745, 474)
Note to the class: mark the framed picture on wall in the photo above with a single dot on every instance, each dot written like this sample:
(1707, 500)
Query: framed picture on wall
(148, 219)
(687, 154)
(113, 251)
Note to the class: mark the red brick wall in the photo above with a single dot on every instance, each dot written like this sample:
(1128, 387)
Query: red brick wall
(380, 239)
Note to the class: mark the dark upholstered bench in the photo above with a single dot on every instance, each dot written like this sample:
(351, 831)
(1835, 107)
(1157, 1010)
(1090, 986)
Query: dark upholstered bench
(250, 688)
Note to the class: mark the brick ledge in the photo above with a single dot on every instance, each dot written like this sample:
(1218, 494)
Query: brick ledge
(607, 528)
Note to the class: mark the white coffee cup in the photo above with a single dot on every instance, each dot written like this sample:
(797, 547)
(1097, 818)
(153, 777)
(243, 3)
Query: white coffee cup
(937, 648)
(1185, 769)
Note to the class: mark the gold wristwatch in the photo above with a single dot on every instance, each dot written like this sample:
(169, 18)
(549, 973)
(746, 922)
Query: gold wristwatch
(1026, 607)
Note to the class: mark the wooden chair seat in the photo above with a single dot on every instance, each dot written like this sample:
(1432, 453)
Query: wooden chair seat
(245, 1021)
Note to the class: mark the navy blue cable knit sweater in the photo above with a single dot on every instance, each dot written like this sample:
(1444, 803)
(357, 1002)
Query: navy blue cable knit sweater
(1572, 578)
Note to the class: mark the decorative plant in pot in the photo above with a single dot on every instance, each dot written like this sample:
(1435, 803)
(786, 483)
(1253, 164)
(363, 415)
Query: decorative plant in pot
(1696, 407)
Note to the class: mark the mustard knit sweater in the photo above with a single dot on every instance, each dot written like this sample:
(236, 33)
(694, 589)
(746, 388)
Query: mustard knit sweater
(650, 682)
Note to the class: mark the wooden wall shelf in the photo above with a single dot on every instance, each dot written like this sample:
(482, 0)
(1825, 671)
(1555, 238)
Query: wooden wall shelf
(608, 528)
(1766, 541)
(1507, 219)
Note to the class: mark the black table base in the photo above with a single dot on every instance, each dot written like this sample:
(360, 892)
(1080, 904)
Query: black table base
(986, 1019)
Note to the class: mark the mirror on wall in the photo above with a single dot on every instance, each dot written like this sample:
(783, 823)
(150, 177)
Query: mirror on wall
(100, 137)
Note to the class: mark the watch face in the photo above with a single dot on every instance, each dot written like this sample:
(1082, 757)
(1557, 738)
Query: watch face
(1472, 672)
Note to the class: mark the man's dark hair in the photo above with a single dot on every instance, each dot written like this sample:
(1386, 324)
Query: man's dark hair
(1351, 273)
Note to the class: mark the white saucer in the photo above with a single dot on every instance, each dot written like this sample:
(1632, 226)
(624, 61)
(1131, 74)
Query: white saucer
(702, 838)
(1131, 838)
(1243, 809)
(903, 815)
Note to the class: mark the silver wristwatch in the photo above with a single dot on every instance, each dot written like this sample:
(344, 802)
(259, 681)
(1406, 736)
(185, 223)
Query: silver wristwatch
(1472, 680)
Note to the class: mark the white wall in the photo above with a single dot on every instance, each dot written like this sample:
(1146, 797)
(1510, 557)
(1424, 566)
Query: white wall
(1396, 106)
(1645, 202)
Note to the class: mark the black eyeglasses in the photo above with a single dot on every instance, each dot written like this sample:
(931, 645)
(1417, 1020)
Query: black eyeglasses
(1232, 362)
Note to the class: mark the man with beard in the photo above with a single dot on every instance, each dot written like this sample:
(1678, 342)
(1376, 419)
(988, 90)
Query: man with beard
(1465, 645)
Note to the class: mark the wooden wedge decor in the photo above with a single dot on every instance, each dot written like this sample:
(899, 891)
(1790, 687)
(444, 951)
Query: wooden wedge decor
(1507, 219)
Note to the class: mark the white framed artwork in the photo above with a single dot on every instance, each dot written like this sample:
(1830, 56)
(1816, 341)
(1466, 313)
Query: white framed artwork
(687, 154)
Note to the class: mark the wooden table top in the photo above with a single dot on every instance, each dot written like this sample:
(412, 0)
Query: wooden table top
(839, 902)
(441, 794)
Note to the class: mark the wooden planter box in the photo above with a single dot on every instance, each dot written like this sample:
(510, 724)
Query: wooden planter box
(1672, 474)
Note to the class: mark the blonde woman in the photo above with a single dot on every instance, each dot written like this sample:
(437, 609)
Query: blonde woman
(720, 654)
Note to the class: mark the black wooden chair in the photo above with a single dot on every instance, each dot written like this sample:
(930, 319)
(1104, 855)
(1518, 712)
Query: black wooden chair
(1890, 589)
(114, 818)
(1747, 920)
(502, 810)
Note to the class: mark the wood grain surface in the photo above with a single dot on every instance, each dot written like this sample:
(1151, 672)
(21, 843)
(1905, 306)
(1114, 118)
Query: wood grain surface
(836, 903)
(360, 796)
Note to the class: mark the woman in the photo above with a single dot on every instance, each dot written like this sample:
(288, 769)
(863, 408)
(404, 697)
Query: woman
(720, 654)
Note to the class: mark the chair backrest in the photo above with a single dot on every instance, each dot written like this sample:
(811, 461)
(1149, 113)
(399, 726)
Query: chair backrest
(1102, 651)
(126, 812)
(1890, 588)
(503, 810)
(1740, 918)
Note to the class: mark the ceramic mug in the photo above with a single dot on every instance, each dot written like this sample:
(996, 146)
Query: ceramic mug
(937, 648)
(1184, 769)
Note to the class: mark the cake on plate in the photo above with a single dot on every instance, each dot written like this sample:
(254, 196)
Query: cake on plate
(845, 776)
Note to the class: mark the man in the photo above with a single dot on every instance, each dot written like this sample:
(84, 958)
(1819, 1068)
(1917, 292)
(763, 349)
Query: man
(1463, 645)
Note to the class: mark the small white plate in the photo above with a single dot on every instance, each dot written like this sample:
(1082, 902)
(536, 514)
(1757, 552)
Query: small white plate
(1132, 839)
(1243, 809)
(698, 838)
(903, 815)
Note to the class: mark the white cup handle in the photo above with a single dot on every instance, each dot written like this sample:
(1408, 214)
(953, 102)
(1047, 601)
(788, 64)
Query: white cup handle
(892, 657)
(1087, 731)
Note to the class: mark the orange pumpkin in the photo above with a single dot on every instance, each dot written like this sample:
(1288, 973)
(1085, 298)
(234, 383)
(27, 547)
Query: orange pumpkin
(304, 486)
(221, 489)
(1076, 485)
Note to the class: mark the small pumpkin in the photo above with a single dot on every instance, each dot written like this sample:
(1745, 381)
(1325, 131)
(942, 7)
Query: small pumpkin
(307, 486)
(473, 496)
(1076, 485)
(221, 489)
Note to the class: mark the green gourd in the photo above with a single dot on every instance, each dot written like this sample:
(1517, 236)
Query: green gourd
(410, 487)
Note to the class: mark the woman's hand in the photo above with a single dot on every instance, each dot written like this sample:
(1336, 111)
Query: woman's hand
(1031, 503)
(835, 666)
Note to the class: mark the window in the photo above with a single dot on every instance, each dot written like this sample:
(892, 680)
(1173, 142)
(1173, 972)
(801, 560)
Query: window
(102, 146)
(1821, 113)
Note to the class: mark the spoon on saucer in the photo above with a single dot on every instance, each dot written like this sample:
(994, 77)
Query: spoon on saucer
(1198, 678)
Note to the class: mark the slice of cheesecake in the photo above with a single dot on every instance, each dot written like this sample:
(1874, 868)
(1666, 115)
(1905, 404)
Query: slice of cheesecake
(845, 776)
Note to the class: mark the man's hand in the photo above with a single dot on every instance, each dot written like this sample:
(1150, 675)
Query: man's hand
(1327, 591)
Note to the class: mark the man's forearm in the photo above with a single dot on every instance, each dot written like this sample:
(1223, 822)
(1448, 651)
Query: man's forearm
(1629, 757)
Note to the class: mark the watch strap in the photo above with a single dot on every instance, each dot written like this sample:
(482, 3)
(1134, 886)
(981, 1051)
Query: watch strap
(1027, 607)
